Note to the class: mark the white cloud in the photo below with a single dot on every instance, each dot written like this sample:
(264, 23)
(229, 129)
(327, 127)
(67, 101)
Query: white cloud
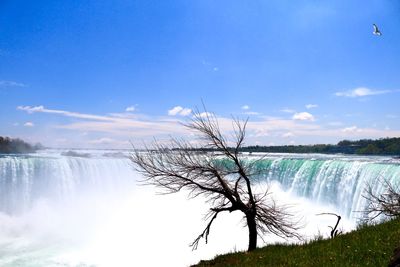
(30, 109)
(261, 132)
(288, 110)
(215, 69)
(104, 140)
(185, 112)
(117, 125)
(114, 131)
(205, 114)
(252, 113)
(310, 106)
(311, 131)
(29, 124)
(288, 135)
(175, 110)
(178, 110)
(362, 91)
(303, 116)
(352, 129)
(125, 115)
(130, 109)
(42, 109)
(247, 111)
(11, 84)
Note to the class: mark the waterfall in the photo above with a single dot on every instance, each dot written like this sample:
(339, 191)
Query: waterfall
(335, 180)
(25, 179)
(339, 181)
(85, 208)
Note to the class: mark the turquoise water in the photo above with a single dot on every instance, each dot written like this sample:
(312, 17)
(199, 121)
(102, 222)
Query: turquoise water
(337, 180)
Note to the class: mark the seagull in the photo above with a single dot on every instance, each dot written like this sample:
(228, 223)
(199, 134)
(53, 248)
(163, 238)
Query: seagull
(376, 30)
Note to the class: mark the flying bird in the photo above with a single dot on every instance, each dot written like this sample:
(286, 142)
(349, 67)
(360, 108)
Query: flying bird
(376, 30)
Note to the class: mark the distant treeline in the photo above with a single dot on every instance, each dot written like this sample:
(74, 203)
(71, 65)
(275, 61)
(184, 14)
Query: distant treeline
(384, 146)
(11, 145)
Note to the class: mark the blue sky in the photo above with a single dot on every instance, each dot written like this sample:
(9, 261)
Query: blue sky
(103, 73)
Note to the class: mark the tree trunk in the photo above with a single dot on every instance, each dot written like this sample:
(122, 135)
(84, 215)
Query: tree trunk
(251, 224)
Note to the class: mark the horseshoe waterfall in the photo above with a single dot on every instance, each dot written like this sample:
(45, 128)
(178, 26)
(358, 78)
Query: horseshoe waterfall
(89, 208)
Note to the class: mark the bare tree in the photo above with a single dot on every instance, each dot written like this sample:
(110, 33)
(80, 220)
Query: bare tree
(387, 204)
(221, 176)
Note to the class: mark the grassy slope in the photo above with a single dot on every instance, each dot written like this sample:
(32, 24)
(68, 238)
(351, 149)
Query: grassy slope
(369, 246)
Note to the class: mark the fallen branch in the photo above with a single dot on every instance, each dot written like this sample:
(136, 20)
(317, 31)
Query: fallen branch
(335, 232)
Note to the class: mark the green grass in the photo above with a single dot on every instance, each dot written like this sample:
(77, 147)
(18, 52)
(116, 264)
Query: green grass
(368, 246)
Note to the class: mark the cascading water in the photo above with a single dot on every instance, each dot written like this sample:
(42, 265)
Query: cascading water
(26, 179)
(85, 208)
(336, 180)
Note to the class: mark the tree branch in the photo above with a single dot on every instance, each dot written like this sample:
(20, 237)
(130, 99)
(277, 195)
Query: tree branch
(206, 230)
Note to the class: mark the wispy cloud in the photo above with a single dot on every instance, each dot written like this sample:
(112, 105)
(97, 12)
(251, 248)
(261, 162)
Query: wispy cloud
(288, 110)
(303, 116)
(108, 141)
(352, 129)
(359, 133)
(113, 130)
(310, 106)
(42, 109)
(206, 114)
(29, 124)
(178, 110)
(30, 109)
(246, 111)
(112, 124)
(252, 113)
(261, 132)
(130, 109)
(288, 135)
(4, 83)
(362, 91)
